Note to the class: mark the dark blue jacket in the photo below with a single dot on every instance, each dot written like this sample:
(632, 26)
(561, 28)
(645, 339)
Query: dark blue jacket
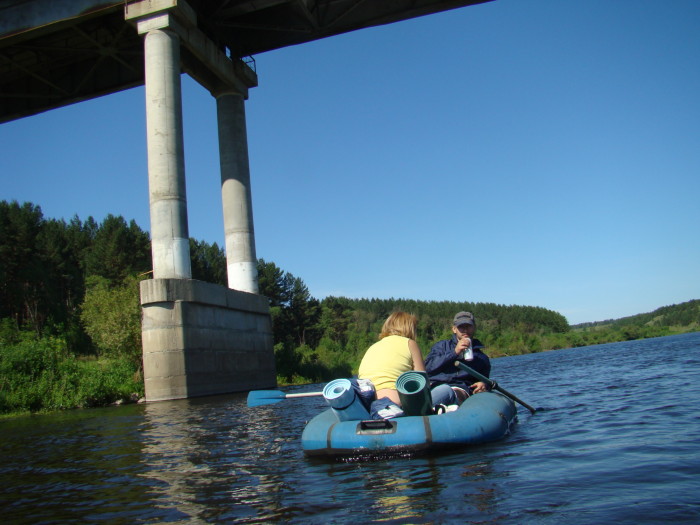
(440, 364)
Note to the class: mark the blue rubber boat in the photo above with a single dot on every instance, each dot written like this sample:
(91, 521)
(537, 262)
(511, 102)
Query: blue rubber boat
(482, 418)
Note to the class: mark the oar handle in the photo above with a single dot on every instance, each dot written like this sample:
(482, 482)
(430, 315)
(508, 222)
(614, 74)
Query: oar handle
(304, 394)
(492, 384)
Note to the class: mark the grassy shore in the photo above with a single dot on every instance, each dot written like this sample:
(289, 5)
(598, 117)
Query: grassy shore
(40, 375)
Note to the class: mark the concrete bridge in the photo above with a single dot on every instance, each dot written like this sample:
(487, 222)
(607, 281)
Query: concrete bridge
(198, 338)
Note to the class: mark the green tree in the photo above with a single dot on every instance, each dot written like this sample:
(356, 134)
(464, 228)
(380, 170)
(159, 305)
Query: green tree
(302, 314)
(63, 278)
(118, 250)
(271, 283)
(295, 317)
(22, 267)
(336, 315)
(112, 317)
(208, 262)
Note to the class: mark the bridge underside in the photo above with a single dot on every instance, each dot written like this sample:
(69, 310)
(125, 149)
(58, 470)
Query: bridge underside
(198, 338)
(57, 53)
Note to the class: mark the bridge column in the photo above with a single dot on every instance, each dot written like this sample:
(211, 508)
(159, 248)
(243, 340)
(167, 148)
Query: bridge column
(236, 193)
(198, 338)
(170, 243)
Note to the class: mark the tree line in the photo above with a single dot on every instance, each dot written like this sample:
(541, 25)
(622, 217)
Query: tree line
(69, 297)
(671, 319)
(680, 315)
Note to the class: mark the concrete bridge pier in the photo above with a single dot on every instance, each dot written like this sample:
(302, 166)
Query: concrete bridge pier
(198, 338)
(170, 242)
(242, 269)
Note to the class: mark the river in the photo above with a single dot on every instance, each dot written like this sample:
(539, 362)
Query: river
(616, 439)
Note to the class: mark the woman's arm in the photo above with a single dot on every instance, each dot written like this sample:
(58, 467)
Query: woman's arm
(418, 364)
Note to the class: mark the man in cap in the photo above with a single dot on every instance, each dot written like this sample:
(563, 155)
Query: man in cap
(462, 346)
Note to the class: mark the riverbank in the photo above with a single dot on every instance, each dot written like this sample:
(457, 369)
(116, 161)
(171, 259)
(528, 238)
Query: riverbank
(39, 375)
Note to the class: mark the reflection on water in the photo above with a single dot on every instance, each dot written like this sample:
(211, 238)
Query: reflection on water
(173, 457)
(617, 441)
(393, 493)
(204, 457)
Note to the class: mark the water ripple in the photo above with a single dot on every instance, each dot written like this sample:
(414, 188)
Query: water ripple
(616, 440)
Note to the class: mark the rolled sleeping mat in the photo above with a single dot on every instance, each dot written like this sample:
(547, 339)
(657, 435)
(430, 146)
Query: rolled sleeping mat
(346, 404)
(414, 392)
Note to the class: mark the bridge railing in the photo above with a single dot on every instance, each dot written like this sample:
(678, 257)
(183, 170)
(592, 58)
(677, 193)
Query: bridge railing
(250, 62)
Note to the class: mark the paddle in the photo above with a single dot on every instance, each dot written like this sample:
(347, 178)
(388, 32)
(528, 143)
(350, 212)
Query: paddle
(493, 384)
(267, 397)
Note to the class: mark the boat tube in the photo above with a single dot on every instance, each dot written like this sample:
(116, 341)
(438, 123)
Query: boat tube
(482, 418)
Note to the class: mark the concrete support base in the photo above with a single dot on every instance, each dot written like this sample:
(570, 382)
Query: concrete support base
(201, 339)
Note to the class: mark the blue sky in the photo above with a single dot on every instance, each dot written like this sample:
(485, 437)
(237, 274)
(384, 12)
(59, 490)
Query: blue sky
(541, 153)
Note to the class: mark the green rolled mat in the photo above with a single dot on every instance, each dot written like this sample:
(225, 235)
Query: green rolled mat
(414, 392)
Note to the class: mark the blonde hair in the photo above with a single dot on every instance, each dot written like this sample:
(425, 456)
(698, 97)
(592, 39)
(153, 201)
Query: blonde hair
(400, 323)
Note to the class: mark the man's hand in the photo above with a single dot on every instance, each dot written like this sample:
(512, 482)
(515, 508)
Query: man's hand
(479, 387)
(462, 345)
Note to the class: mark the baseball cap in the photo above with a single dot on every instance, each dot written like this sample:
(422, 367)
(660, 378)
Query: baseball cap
(464, 318)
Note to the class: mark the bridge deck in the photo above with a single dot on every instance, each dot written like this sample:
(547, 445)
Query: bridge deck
(58, 53)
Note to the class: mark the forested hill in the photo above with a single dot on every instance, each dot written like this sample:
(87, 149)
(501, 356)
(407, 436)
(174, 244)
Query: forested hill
(491, 315)
(338, 335)
(499, 324)
(684, 315)
(77, 282)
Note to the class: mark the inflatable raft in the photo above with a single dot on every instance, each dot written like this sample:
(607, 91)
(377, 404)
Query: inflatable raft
(482, 418)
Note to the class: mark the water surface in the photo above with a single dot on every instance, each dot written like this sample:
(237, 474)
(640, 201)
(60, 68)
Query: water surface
(616, 439)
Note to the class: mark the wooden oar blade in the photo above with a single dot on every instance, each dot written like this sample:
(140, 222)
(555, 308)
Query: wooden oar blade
(264, 397)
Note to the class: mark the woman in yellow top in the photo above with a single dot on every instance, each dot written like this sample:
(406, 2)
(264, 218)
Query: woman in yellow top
(396, 352)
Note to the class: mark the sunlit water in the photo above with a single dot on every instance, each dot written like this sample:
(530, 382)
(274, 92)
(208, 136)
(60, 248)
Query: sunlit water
(617, 440)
